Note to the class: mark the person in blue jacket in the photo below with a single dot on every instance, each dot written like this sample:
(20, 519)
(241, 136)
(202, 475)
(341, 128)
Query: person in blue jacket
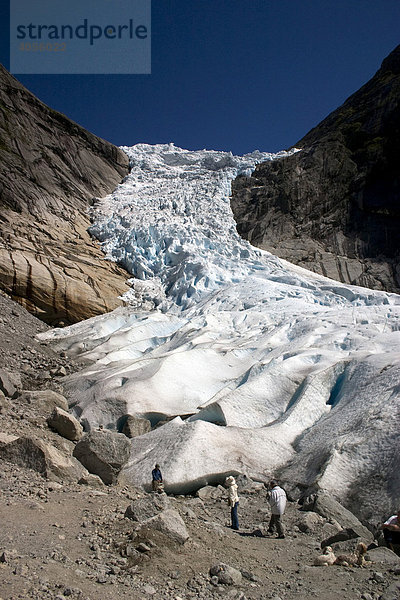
(157, 480)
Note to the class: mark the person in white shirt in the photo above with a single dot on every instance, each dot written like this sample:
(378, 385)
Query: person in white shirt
(233, 500)
(391, 530)
(277, 500)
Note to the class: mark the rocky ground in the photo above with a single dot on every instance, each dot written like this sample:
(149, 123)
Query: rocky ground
(63, 539)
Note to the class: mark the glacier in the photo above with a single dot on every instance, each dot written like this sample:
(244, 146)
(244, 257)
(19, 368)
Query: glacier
(243, 362)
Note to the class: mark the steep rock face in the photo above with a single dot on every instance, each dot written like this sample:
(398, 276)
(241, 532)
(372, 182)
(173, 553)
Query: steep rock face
(50, 169)
(334, 207)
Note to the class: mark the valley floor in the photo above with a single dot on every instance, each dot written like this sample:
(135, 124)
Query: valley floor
(60, 540)
(70, 541)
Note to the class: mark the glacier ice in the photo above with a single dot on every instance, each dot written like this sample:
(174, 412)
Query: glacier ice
(153, 225)
(253, 364)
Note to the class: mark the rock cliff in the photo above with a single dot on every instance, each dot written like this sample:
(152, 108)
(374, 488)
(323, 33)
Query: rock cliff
(50, 169)
(334, 207)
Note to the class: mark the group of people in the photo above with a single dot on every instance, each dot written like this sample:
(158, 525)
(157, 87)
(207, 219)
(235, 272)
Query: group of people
(277, 501)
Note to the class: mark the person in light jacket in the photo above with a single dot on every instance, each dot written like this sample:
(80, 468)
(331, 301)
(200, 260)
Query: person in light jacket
(391, 530)
(277, 500)
(233, 500)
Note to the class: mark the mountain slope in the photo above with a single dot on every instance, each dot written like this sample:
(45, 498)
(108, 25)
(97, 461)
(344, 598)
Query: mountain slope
(50, 170)
(334, 207)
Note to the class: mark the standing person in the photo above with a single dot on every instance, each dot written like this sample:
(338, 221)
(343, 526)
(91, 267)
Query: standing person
(277, 500)
(157, 480)
(391, 530)
(233, 500)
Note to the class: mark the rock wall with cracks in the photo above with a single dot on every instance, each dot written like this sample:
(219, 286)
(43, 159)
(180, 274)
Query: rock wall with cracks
(333, 208)
(51, 168)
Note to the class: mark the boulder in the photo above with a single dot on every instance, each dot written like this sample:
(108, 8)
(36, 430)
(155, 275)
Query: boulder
(384, 555)
(329, 529)
(343, 535)
(392, 592)
(188, 512)
(91, 480)
(330, 509)
(135, 426)
(146, 507)
(142, 547)
(211, 492)
(226, 575)
(33, 453)
(4, 403)
(248, 486)
(44, 400)
(103, 453)
(6, 384)
(170, 523)
(16, 380)
(6, 438)
(309, 522)
(65, 424)
(344, 547)
(8, 556)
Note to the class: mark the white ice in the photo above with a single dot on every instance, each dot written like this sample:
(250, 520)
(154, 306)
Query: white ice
(257, 365)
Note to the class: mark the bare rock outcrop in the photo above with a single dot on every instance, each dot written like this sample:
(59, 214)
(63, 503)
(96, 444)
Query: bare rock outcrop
(51, 168)
(333, 208)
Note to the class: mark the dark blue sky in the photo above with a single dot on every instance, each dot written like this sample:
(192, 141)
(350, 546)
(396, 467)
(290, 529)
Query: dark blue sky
(231, 75)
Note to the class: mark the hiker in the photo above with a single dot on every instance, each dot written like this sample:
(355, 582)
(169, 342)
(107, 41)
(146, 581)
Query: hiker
(277, 500)
(233, 501)
(157, 480)
(391, 530)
